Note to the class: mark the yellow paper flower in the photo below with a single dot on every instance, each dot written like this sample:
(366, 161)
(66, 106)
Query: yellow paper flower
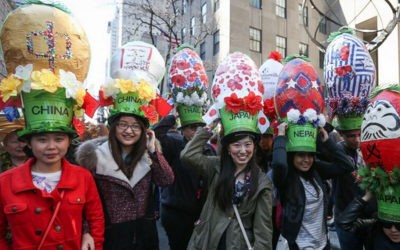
(125, 86)
(80, 95)
(146, 91)
(45, 80)
(10, 87)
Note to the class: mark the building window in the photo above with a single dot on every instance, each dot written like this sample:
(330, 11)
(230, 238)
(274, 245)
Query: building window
(203, 51)
(321, 59)
(322, 24)
(281, 45)
(255, 39)
(255, 3)
(281, 8)
(303, 21)
(183, 34)
(303, 49)
(216, 42)
(192, 23)
(204, 12)
(216, 5)
(184, 3)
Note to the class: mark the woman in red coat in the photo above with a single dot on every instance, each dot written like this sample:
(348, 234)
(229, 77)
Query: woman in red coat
(30, 193)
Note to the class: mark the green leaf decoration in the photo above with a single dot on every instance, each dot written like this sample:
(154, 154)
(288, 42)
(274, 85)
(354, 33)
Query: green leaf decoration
(344, 29)
(184, 46)
(294, 56)
(54, 4)
(377, 180)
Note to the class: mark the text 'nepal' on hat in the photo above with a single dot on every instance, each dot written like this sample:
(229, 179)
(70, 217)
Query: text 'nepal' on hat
(47, 54)
(238, 92)
(349, 74)
(299, 101)
(269, 72)
(188, 82)
(136, 70)
(380, 137)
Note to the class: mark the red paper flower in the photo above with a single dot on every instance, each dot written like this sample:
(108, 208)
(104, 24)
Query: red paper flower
(191, 77)
(233, 103)
(252, 103)
(354, 101)
(204, 80)
(150, 113)
(343, 70)
(197, 67)
(246, 69)
(183, 64)
(260, 87)
(275, 55)
(269, 108)
(216, 91)
(235, 83)
(178, 80)
(344, 53)
(173, 70)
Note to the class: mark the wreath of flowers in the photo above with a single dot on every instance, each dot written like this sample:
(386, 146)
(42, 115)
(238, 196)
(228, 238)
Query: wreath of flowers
(347, 104)
(250, 103)
(378, 179)
(25, 79)
(195, 95)
(310, 115)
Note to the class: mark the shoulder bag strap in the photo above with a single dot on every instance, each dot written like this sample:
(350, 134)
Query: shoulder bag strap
(241, 227)
(51, 221)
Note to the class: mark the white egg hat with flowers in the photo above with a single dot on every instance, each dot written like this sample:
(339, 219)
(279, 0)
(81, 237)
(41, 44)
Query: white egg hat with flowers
(238, 96)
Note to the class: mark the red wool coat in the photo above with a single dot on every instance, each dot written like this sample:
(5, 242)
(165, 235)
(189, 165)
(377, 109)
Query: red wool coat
(28, 209)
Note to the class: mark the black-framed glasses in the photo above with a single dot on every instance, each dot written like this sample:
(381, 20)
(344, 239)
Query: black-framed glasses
(388, 225)
(124, 126)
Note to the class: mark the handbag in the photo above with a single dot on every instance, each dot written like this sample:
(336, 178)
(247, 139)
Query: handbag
(51, 221)
(242, 228)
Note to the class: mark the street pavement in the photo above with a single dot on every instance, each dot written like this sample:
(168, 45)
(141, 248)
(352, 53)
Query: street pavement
(164, 240)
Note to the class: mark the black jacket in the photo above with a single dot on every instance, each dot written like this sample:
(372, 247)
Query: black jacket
(345, 188)
(183, 194)
(293, 199)
(349, 220)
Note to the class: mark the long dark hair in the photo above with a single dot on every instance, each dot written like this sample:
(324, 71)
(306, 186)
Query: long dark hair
(308, 176)
(224, 189)
(138, 149)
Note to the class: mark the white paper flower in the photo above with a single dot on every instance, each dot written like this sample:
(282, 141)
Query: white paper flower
(310, 115)
(322, 120)
(179, 97)
(188, 101)
(24, 73)
(69, 82)
(204, 95)
(109, 89)
(293, 115)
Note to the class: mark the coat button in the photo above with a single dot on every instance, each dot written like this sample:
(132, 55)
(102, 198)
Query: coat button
(229, 218)
(60, 247)
(57, 228)
(38, 210)
(14, 209)
(38, 232)
(79, 199)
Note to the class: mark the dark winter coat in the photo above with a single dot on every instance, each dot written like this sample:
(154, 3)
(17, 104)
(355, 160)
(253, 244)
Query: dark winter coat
(189, 192)
(293, 199)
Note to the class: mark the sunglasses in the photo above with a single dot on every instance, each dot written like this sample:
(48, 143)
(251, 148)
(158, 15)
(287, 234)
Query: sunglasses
(389, 225)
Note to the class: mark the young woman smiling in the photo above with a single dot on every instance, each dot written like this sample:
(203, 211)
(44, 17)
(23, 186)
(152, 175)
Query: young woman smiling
(124, 167)
(298, 177)
(233, 179)
(31, 193)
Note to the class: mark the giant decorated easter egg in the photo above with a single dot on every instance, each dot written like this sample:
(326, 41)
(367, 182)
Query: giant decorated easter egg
(138, 58)
(46, 37)
(298, 88)
(269, 72)
(348, 67)
(380, 131)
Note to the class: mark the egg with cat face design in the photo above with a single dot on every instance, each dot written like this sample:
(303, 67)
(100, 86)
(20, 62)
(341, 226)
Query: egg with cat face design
(380, 131)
